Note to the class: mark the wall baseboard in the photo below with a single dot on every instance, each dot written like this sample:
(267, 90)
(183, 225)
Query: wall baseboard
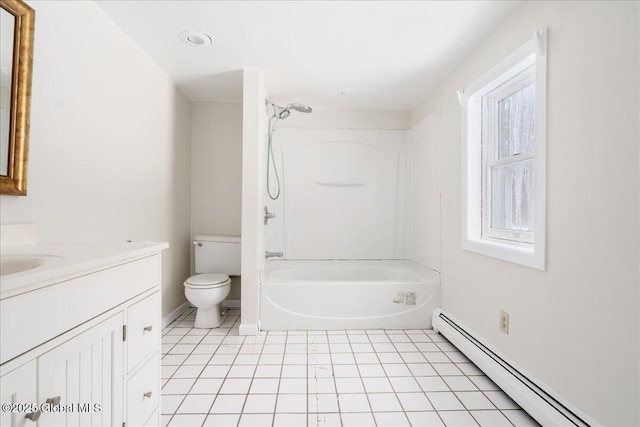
(535, 397)
(249, 329)
(166, 320)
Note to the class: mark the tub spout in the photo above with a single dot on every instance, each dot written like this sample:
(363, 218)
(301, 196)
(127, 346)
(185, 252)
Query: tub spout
(268, 254)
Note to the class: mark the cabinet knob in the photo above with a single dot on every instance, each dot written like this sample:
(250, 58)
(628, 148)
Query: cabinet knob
(33, 416)
(147, 394)
(148, 328)
(53, 400)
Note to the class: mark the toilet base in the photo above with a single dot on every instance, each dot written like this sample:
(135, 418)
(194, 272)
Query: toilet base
(209, 318)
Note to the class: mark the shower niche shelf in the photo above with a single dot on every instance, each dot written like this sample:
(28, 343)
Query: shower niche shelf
(341, 184)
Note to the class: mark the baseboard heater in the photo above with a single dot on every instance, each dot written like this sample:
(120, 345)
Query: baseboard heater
(535, 398)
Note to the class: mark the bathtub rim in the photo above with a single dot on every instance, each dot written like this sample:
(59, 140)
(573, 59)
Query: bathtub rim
(426, 275)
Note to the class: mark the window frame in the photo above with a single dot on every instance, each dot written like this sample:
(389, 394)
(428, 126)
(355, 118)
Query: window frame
(477, 235)
(490, 102)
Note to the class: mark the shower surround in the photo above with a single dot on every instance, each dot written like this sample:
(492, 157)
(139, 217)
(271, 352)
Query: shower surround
(358, 224)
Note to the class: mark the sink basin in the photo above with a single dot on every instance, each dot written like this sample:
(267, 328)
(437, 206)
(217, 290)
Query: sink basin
(13, 264)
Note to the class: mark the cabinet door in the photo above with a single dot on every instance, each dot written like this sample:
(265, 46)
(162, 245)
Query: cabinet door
(85, 375)
(18, 387)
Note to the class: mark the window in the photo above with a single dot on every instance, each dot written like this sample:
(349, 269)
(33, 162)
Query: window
(504, 158)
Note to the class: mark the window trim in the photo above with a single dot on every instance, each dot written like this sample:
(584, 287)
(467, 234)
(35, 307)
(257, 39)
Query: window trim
(528, 254)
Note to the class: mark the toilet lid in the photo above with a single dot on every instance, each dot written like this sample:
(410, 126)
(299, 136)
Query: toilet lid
(209, 279)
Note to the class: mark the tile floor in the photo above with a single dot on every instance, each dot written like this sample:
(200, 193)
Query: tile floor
(213, 377)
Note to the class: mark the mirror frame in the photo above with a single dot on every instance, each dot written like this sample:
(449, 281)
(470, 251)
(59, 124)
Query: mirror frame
(15, 182)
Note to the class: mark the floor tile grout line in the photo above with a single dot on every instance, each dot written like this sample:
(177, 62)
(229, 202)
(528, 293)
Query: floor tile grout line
(333, 377)
(467, 376)
(454, 392)
(361, 381)
(421, 389)
(181, 364)
(404, 362)
(232, 362)
(172, 415)
(227, 374)
(412, 376)
(284, 355)
(315, 373)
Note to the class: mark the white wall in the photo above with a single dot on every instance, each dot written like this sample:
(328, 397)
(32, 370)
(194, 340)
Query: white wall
(574, 326)
(423, 193)
(216, 173)
(253, 157)
(109, 141)
(216, 168)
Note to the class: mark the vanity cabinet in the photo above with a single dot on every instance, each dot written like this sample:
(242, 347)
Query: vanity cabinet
(18, 386)
(86, 370)
(103, 371)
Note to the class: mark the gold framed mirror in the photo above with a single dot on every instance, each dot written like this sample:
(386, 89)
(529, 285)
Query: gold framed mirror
(16, 59)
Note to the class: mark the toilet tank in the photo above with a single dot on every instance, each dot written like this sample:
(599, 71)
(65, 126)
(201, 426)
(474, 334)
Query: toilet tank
(217, 254)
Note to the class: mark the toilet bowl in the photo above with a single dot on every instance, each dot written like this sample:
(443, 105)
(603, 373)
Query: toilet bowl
(205, 292)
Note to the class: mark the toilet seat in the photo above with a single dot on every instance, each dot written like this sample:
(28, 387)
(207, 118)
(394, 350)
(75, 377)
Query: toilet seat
(207, 281)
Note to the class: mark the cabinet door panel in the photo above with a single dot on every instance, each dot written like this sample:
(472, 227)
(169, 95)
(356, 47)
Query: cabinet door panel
(18, 386)
(86, 374)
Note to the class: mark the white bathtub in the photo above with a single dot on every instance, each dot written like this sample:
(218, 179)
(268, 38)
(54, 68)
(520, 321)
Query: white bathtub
(319, 295)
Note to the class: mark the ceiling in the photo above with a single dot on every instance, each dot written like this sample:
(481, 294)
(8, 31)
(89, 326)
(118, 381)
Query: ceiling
(392, 53)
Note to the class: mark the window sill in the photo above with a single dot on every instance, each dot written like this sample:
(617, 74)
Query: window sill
(515, 253)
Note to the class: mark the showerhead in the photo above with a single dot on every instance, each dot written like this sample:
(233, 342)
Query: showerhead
(299, 107)
(284, 112)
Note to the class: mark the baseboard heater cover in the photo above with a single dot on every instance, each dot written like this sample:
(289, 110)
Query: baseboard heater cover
(538, 400)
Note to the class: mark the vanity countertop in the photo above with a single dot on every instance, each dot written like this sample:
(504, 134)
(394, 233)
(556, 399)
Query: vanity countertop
(57, 262)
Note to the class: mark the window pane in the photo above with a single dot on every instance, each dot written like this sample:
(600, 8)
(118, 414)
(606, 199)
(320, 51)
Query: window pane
(512, 196)
(515, 122)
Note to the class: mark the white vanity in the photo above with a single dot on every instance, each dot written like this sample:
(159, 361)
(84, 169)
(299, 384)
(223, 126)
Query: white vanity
(80, 334)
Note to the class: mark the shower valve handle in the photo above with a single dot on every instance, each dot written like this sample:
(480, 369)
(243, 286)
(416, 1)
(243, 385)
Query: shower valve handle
(268, 215)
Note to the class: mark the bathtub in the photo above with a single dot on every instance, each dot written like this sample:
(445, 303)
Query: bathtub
(326, 295)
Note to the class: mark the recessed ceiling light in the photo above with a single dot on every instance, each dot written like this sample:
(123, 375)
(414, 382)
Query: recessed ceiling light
(346, 92)
(195, 38)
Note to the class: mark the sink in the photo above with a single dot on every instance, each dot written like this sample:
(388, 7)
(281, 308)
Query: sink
(13, 264)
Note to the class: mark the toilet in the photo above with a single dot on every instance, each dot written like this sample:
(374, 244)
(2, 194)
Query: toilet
(216, 258)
